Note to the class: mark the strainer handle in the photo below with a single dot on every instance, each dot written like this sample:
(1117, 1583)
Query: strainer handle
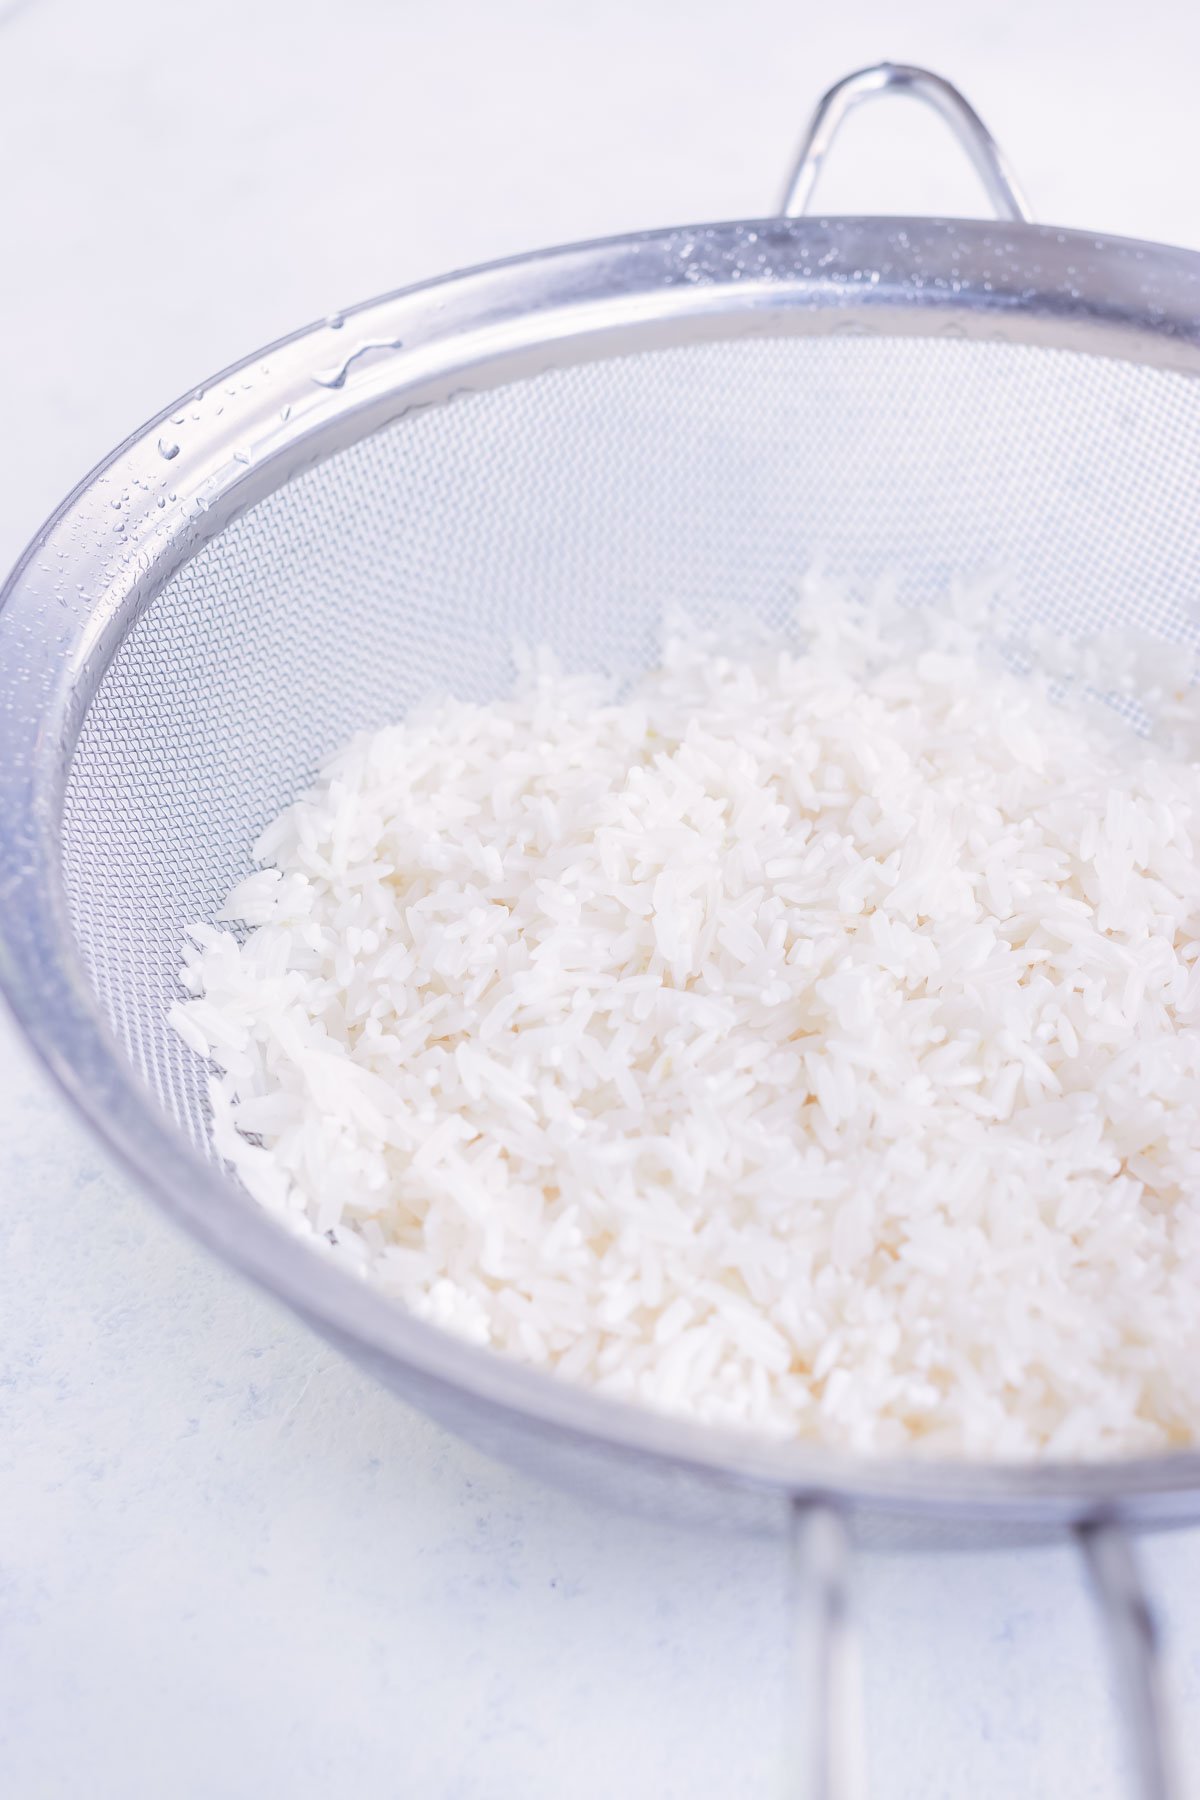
(824, 1744)
(922, 84)
(1134, 1655)
(825, 1749)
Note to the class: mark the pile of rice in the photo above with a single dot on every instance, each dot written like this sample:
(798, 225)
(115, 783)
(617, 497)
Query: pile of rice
(806, 1039)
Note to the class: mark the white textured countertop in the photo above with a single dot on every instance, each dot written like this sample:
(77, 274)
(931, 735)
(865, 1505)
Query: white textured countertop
(229, 1565)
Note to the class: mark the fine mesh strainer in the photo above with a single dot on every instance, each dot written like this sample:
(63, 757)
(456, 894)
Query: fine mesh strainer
(556, 449)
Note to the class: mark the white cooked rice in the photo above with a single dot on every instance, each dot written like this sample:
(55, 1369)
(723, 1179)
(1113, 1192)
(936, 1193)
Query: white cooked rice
(806, 1040)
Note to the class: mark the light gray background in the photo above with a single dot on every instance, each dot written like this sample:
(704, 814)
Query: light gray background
(228, 1565)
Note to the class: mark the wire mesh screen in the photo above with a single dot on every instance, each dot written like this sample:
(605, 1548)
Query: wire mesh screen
(573, 509)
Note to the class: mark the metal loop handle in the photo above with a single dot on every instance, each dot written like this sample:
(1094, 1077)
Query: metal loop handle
(1133, 1644)
(825, 1758)
(922, 84)
(826, 1741)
